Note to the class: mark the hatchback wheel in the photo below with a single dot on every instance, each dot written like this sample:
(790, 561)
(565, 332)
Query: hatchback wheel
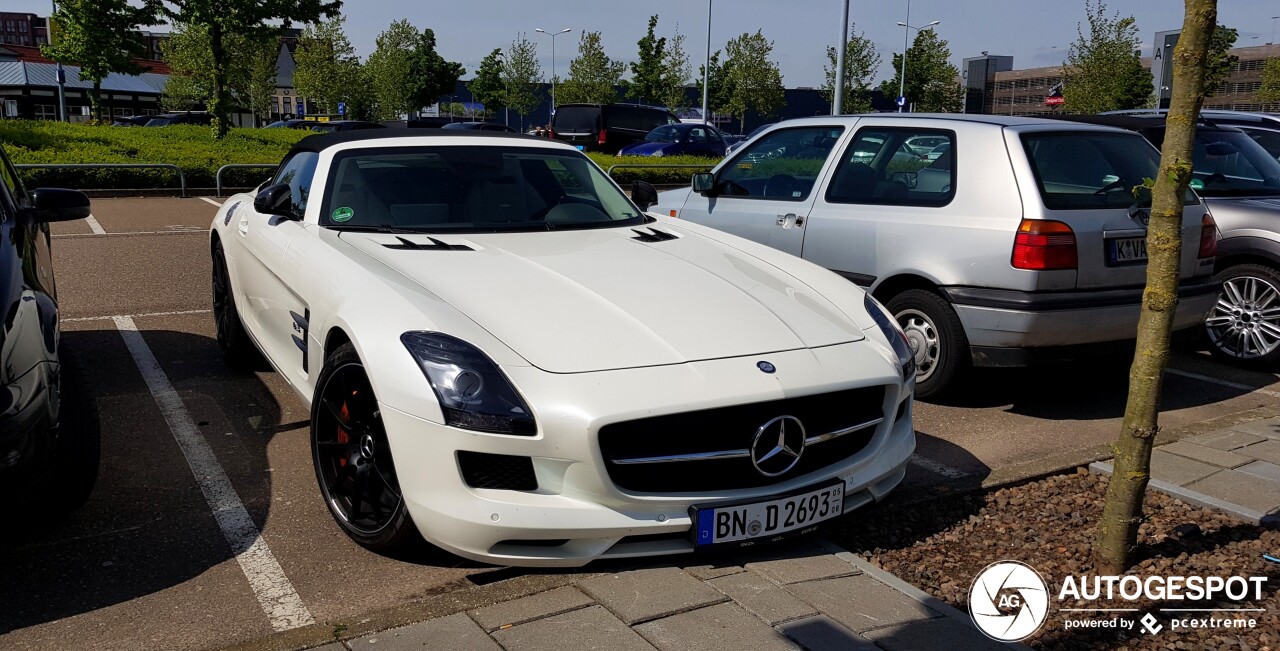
(936, 337)
(1244, 325)
(353, 459)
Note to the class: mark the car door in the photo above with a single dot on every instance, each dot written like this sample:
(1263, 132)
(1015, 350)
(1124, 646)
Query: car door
(766, 192)
(266, 300)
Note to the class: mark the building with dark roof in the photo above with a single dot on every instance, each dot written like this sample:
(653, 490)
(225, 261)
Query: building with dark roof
(29, 88)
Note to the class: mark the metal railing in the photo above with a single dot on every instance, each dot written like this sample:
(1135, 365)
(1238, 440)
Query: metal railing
(217, 179)
(690, 166)
(182, 178)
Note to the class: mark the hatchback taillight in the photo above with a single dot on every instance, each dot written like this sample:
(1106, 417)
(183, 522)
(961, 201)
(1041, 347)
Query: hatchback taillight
(600, 140)
(1044, 245)
(1208, 237)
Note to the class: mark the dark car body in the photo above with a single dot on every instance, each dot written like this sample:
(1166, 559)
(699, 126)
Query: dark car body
(291, 124)
(1263, 128)
(35, 440)
(334, 126)
(170, 119)
(678, 139)
(607, 128)
(480, 126)
(132, 121)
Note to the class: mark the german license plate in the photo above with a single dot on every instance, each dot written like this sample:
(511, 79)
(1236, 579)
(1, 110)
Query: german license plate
(1128, 249)
(769, 519)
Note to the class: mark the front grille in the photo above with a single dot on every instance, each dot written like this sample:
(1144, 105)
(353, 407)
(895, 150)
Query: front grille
(499, 471)
(729, 429)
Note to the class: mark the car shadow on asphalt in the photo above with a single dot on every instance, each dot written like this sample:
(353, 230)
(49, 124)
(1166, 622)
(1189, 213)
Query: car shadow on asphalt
(146, 527)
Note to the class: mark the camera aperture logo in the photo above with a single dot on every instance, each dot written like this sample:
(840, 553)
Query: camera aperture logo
(1008, 601)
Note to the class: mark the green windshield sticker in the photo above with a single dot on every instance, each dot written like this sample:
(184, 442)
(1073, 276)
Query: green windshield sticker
(1197, 184)
(343, 214)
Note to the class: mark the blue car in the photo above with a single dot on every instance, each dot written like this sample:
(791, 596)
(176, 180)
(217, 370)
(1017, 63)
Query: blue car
(677, 139)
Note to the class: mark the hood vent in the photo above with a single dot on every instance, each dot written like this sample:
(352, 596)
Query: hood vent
(653, 235)
(435, 245)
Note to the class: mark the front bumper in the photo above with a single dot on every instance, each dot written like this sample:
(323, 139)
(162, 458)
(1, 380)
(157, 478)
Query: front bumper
(577, 514)
(27, 409)
(1010, 319)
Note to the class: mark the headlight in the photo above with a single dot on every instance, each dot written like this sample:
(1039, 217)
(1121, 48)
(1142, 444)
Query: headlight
(659, 153)
(897, 338)
(473, 393)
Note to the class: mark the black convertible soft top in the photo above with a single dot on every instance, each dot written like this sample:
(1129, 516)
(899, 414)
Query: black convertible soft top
(320, 142)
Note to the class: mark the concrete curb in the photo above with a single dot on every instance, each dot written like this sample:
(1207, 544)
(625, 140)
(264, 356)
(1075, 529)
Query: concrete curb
(1192, 497)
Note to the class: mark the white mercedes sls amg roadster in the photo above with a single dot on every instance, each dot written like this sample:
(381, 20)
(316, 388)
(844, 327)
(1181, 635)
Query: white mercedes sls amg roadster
(504, 355)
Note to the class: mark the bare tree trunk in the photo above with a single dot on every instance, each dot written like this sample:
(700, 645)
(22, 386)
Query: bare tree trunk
(1118, 530)
(219, 105)
(95, 100)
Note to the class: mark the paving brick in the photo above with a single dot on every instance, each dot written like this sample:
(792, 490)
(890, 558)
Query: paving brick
(1269, 428)
(1179, 470)
(519, 611)
(1268, 450)
(944, 633)
(1206, 454)
(1239, 488)
(455, 632)
(586, 628)
(800, 564)
(713, 571)
(860, 602)
(1226, 439)
(648, 594)
(821, 633)
(724, 626)
(1263, 469)
(762, 597)
(335, 646)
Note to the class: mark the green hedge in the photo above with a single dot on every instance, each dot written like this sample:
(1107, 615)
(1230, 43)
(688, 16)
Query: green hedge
(199, 155)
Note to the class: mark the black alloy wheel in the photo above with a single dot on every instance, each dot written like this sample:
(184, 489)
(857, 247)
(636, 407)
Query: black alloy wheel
(352, 457)
(236, 346)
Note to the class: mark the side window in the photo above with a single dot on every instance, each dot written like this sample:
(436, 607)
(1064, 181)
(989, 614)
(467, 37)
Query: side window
(896, 167)
(783, 164)
(298, 173)
(13, 184)
(1270, 140)
(698, 136)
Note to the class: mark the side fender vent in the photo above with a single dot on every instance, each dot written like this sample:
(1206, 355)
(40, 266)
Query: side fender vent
(435, 245)
(653, 235)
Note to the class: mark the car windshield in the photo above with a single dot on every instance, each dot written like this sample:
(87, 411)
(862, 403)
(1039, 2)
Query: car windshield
(471, 189)
(1231, 164)
(663, 134)
(159, 122)
(324, 128)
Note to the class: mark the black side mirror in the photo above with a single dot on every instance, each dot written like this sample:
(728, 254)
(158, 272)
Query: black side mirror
(275, 200)
(57, 205)
(704, 183)
(643, 194)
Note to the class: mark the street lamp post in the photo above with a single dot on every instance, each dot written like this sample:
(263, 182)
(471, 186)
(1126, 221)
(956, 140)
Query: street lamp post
(1273, 30)
(61, 74)
(706, 70)
(553, 36)
(906, 35)
(837, 101)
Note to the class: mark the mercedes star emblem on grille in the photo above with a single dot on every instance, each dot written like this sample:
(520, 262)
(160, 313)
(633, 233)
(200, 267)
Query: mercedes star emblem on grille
(778, 445)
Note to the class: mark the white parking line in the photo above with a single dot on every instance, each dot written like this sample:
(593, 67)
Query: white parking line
(174, 230)
(1220, 382)
(94, 225)
(133, 316)
(939, 468)
(211, 201)
(275, 593)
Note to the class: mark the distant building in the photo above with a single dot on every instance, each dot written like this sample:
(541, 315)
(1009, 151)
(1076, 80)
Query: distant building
(29, 88)
(22, 29)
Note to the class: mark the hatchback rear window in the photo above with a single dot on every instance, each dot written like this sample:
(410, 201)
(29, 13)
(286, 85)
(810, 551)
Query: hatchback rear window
(576, 119)
(1082, 170)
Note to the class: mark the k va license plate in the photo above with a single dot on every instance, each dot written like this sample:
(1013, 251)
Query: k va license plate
(1128, 249)
(717, 524)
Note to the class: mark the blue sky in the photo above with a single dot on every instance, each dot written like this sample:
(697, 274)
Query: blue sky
(1035, 32)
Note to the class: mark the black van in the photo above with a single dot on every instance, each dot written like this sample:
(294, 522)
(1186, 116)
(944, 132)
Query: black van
(607, 127)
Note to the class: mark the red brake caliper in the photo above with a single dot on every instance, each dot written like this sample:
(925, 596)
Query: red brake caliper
(343, 437)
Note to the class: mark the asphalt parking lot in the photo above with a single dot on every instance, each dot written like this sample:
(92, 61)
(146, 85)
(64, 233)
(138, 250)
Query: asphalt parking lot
(196, 455)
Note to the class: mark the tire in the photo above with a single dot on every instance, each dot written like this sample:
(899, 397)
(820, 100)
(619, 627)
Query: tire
(936, 335)
(1244, 325)
(77, 442)
(237, 348)
(352, 459)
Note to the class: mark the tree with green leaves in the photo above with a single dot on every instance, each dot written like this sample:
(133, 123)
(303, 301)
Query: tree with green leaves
(719, 89)
(676, 71)
(1269, 92)
(257, 90)
(98, 36)
(327, 70)
(753, 79)
(251, 19)
(521, 77)
(487, 88)
(1220, 59)
(437, 76)
(1104, 70)
(1122, 511)
(592, 75)
(932, 85)
(391, 70)
(251, 79)
(861, 61)
(649, 68)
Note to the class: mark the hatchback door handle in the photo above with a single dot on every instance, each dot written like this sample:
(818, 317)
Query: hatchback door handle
(790, 219)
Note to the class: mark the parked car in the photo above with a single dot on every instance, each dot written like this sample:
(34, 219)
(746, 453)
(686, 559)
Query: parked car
(290, 124)
(480, 126)
(49, 447)
(344, 125)
(924, 145)
(1239, 181)
(678, 139)
(1264, 128)
(1020, 241)
(747, 138)
(733, 395)
(131, 120)
(937, 152)
(170, 119)
(607, 128)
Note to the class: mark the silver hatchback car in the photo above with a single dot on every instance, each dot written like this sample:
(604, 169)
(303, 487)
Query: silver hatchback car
(1021, 239)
